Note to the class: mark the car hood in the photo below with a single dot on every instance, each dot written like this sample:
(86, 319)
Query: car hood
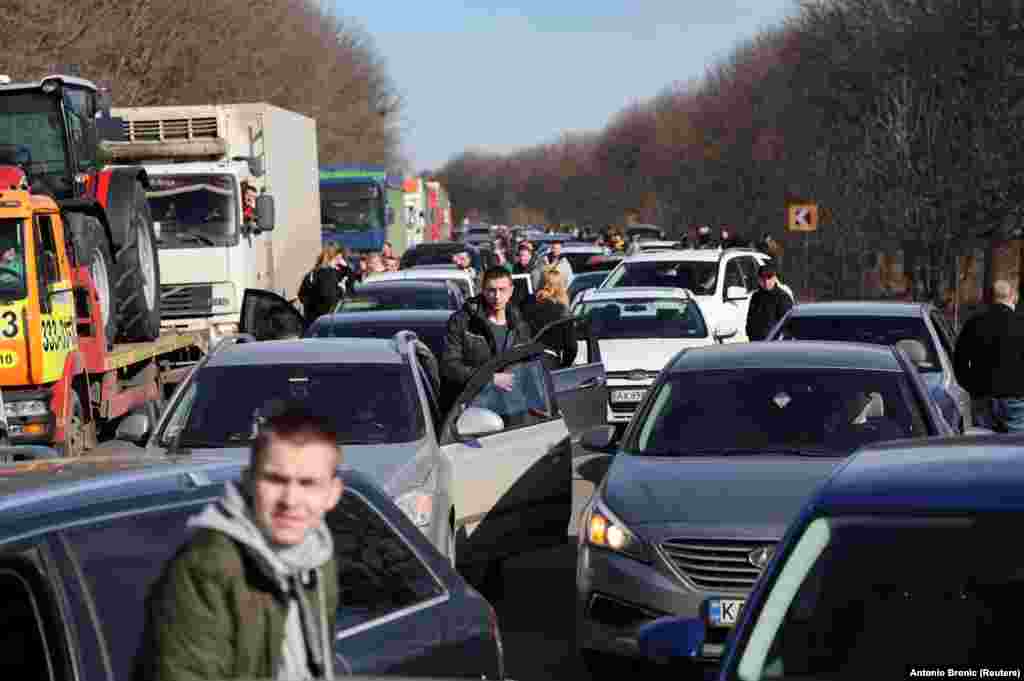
(732, 490)
(649, 354)
(395, 467)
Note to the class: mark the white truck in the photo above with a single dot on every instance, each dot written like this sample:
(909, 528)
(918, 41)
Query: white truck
(199, 159)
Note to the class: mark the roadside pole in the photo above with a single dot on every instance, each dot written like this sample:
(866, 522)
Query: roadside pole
(802, 216)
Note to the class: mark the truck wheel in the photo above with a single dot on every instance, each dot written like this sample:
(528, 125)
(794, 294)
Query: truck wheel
(138, 275)
(94, 253)
(75, 430)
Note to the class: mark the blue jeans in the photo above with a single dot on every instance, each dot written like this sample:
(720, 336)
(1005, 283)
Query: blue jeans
(1001, 414)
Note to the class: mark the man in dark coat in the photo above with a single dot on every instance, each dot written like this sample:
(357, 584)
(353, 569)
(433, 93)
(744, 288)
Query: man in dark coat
(768, 304)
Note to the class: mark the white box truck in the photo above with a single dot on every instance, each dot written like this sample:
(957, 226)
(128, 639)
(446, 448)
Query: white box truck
(199, 159)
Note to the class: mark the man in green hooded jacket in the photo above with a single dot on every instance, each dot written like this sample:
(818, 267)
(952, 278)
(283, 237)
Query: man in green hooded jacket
(254, 593)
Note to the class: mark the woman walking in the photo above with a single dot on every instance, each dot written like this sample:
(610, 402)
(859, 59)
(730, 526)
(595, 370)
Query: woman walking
(551, 303)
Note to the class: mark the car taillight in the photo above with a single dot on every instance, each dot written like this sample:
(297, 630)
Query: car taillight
(492, 616)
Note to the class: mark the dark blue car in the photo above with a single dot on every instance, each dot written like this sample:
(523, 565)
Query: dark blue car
(82, 542)
(900, 561)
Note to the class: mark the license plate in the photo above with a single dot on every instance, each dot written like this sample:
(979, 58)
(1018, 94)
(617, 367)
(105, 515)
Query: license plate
(724, 612)
(628, 395)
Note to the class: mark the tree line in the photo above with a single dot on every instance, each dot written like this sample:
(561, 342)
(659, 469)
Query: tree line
(289, 53)
(900, 118)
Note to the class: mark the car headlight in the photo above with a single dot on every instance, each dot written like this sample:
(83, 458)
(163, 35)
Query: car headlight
(605, 531)
(26, 408)
(418, 506)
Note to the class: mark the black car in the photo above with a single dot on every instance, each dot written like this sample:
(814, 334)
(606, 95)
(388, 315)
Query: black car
(83, 542)
(440, 252)
(389, 296)
(428, 325)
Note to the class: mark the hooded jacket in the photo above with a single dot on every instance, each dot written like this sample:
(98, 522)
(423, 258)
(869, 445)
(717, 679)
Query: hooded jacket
(231, 606)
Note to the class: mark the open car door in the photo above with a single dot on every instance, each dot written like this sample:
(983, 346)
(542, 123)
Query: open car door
(510, 453)
(268, 316)
(581, 389)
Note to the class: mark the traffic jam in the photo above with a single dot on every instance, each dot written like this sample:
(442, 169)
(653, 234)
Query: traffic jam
(754, 487)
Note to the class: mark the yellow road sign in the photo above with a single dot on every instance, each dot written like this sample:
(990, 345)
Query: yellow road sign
(802, 217)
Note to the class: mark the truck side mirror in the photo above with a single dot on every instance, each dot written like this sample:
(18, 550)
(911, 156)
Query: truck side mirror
(265, 212)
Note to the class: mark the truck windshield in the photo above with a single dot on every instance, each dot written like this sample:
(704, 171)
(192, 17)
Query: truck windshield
(352, 207)
(12, 260)
(32, 136)
(194, 211)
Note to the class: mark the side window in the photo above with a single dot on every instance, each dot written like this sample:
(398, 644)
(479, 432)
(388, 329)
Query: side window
(180, 415)
(428, 388)
(48, 250)
(945, 333)
(528, 400)
(121, 560)
(30, 649)
(734, 275)
(378, 573)
(750, 267)
(80, 113)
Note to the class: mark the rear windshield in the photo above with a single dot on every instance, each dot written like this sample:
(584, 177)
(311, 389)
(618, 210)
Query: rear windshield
(438, 255)
(863, 329)
(383, 299)
(644, 318)
(699, 277)
(433, 335)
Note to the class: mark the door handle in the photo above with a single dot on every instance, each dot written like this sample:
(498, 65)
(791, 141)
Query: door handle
(594, 382)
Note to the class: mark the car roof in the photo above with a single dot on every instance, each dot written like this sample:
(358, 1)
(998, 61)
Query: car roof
(860, 309)
(788, 355)
(417, 317)
(686, 255)
(933, 475)
(308, 351)
(628, 292)
(402, 284)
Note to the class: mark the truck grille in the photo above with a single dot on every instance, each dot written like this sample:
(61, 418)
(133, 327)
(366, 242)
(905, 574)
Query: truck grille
(715, 564)
(160, 130)
(177, 301)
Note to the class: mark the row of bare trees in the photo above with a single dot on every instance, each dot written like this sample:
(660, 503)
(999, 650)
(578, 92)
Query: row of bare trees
(286, 52)
(901, 118)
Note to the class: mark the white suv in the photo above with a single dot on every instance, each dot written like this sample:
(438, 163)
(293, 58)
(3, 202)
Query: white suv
(635, 332)
(721, 280)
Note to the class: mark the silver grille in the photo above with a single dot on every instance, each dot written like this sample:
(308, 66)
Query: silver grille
(715, 564)
(160, 130)
(185, 301)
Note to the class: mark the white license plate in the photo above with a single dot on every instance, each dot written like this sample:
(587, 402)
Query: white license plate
(724, 612)
(628, 395)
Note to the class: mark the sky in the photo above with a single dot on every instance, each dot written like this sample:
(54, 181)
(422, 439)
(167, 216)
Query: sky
(500, 76)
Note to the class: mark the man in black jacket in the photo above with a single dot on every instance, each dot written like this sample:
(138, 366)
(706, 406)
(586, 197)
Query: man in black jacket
(768, 304)
(989, 362)
(486, 326)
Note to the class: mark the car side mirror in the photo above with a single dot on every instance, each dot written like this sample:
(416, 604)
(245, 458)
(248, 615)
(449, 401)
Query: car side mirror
(669, 639)
(725, 329)
(598, 439)
(265, 212)
(735, 293)
(134, 427)
(477, 421)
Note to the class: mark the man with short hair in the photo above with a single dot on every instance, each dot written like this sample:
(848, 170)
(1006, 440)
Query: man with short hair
(253, 593)
(486, 326)
(768, 305)
(521, 266)
(554, 258)
(988, 361)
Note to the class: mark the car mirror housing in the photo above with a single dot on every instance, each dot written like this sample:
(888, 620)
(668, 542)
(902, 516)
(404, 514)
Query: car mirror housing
(476, 421)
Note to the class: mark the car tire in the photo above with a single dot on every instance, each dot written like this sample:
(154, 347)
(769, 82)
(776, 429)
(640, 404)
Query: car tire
(93, 252)
(138, 275)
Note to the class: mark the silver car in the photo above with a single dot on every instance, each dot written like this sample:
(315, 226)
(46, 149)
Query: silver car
(486, 480)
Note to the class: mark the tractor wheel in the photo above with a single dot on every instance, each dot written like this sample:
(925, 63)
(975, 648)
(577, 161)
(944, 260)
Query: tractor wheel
(138, 275)
(93, 251)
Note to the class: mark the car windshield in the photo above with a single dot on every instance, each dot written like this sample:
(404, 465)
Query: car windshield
(381, 299)
(432, 335)
(643, 318)
(351, 206)
(12, 260)
(32, 136)
(194, 211)
(764, 411)
(585, 281)
(439, 256)
(366, 403)
(863, 329)
(871, 597)
(697, 276)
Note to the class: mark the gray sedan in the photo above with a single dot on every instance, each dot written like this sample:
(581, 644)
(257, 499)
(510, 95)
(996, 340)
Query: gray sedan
(717, 461)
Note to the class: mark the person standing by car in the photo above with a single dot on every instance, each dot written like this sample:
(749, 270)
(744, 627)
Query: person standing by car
(988, 361)
(486, 326)
(550, 304)
(554, 258)
(321, 287)
(768, 305)
(253, 594)
(521, 295)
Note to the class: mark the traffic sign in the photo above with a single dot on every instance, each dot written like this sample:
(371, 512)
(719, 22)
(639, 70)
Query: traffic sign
(802, 217)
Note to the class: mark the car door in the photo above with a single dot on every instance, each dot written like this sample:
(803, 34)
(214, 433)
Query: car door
(512, 489)
(580, 390)
(268, 316)
(736, 308)
(946, 342)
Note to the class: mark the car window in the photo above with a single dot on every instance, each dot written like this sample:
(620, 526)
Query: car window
(944, 332)
(878, 330)
(368, 300)
(697, 276)
(432, 400)
(748, 264)
(432, 335)
(365, 403)
(182, 409)
(838, 611)
(734, 275)
(643, 318)
(121, 560)
(814, 411)
(378, 572)
(527, 403)
(28, 638)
